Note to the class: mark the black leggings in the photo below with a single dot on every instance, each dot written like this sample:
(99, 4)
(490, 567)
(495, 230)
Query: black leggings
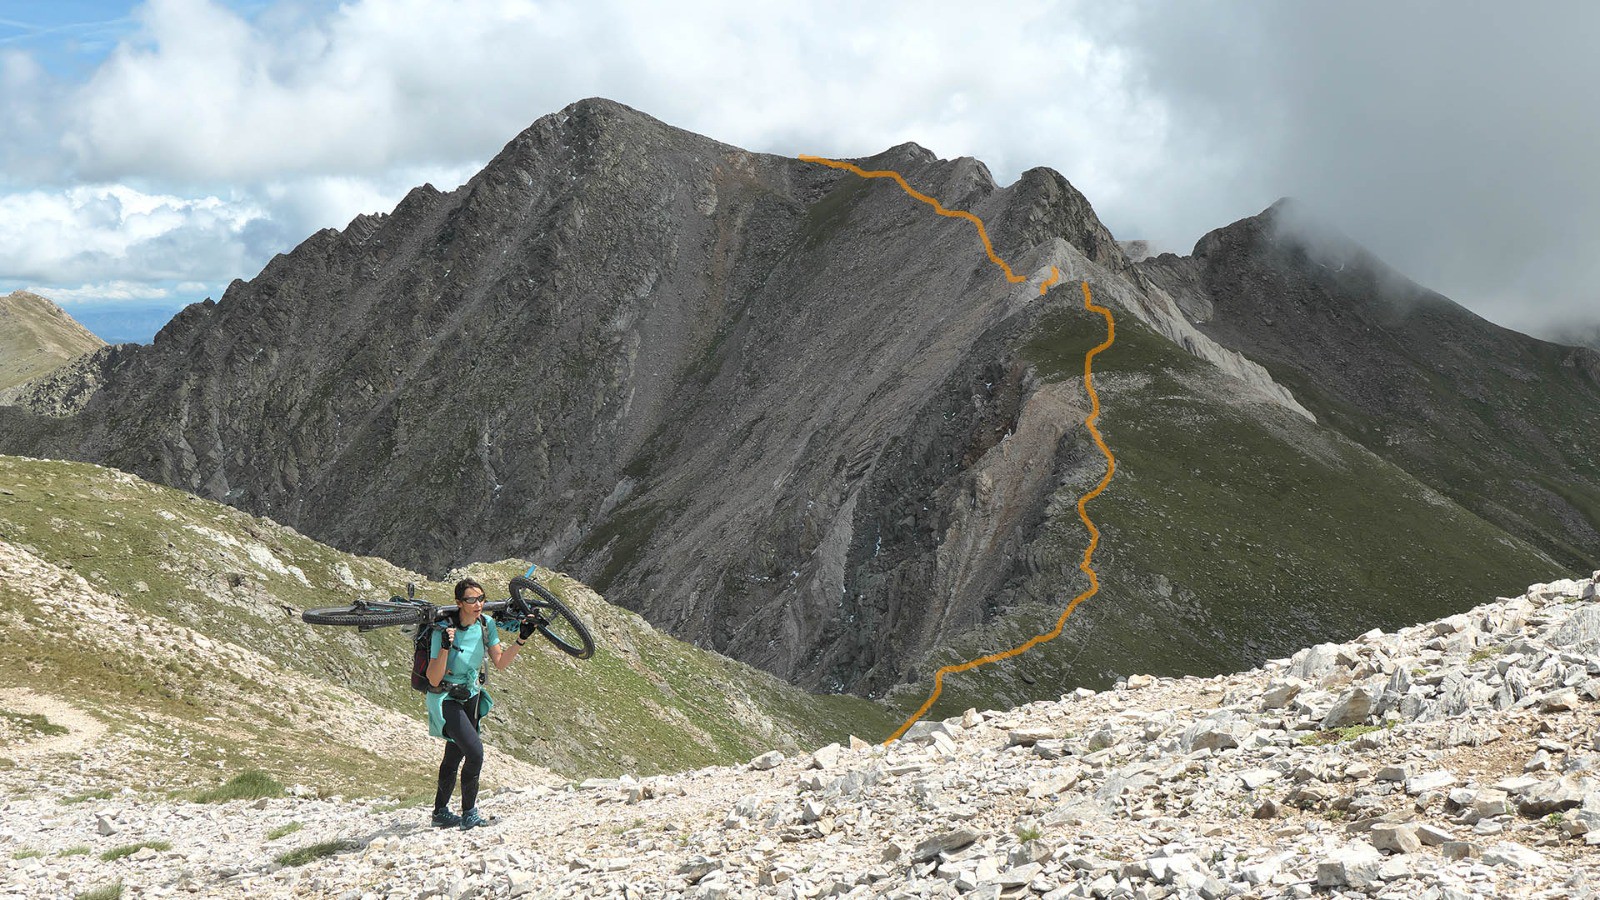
(464, 749)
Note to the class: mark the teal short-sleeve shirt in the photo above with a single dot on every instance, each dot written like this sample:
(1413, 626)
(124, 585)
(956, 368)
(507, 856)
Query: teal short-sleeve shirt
(466, 656)
(467, 651)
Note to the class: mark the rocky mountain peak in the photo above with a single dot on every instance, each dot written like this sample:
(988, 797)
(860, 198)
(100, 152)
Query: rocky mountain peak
(22, 302)
(785, 412)
(36, 336)
(1295, 241)
(1401, 369)
(908, 152)
(19, 297)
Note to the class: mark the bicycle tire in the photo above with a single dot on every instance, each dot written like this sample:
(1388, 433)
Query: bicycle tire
(366, 616)
(561, 626)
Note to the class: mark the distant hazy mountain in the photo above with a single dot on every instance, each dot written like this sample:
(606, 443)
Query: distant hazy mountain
(1501, 422)
(126, 324)
(1578, 336)
(791, 415)
(37, 336)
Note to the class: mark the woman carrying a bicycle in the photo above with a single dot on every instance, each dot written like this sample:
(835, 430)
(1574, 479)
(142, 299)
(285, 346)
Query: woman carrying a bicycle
(460, 702)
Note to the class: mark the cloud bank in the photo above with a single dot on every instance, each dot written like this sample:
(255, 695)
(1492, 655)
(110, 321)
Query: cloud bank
(1452, 141)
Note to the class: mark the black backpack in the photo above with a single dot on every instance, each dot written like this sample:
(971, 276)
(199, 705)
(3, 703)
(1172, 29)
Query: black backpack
(420, 657)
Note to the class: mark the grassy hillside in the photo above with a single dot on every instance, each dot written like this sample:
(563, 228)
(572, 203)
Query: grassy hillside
(1500, 422)
(37, 336)
(1232, 532)
(195, 651)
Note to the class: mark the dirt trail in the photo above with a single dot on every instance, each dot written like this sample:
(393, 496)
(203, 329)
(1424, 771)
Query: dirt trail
(82, 729)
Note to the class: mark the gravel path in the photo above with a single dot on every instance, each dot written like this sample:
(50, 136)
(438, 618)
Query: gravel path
(1454, 759)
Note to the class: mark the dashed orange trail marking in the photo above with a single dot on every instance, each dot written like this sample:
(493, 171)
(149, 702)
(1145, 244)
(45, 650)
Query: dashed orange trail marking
(1087, 565)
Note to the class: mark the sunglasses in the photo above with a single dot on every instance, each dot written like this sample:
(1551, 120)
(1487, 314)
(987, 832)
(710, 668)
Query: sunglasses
(470, 600)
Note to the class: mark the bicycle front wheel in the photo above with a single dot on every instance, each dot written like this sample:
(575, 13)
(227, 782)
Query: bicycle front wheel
(559, 625)
(366, 614)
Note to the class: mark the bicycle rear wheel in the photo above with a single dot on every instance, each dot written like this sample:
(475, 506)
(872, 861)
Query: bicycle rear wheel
(559, 625)
(367, 614)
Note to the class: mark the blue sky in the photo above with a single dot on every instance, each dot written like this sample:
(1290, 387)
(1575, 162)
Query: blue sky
(152, 151)
(69, 35)
(72, 37)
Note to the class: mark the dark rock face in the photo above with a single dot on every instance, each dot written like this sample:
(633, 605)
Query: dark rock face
(789, 414)
(1499, 421)
(709, 381)
(64, 390)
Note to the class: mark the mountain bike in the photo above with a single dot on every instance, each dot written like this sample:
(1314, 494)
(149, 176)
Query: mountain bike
(530, 602)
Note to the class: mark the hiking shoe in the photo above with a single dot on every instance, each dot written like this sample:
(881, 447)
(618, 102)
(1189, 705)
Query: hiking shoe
(472, 819)
(444, 818)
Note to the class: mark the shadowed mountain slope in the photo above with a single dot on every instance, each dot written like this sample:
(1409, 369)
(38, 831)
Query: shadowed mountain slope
(1501, 422)
(786, 413)
(672, 362)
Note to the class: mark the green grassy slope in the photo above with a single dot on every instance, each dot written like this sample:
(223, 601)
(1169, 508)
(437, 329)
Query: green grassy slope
(1232, 532)
(1500, 422)
(37, 336)
(645, 703)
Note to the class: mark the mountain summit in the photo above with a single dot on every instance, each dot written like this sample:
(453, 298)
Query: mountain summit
(1497, 420)
(790, 414)
(36, 336)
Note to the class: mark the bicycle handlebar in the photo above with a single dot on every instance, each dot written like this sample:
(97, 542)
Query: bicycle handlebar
(440, 613)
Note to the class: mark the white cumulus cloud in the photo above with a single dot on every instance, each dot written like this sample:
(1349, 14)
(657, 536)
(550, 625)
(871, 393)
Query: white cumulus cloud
(111, 230)
(1456, 144)
(245, 133)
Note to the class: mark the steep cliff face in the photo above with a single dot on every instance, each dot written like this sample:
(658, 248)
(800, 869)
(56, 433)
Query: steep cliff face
(784, 412)
(691, 371)
(1497, 420)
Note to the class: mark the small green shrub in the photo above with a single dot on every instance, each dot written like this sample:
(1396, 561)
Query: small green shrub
(1028, 833)
(27, 854)
(251, 784)
(111, 891)
(33, 722)
(131, 849)
(1484, 653)
(79, 850)
(302, 855)
(409, 801)
(1340, 735)
(102, 794)
(283, 831)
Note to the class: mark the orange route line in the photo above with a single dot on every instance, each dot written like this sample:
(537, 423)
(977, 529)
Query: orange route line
(1087, 565)
(983, 233)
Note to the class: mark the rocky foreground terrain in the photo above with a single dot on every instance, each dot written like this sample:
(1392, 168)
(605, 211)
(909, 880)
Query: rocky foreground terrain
(1454, 759)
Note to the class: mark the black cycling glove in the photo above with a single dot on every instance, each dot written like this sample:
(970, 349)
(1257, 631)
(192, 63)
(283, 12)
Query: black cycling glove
(444, 639)
(529, 626)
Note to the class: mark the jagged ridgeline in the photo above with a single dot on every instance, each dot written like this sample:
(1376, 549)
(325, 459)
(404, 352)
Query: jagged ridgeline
(186, 644)
(791, 415)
